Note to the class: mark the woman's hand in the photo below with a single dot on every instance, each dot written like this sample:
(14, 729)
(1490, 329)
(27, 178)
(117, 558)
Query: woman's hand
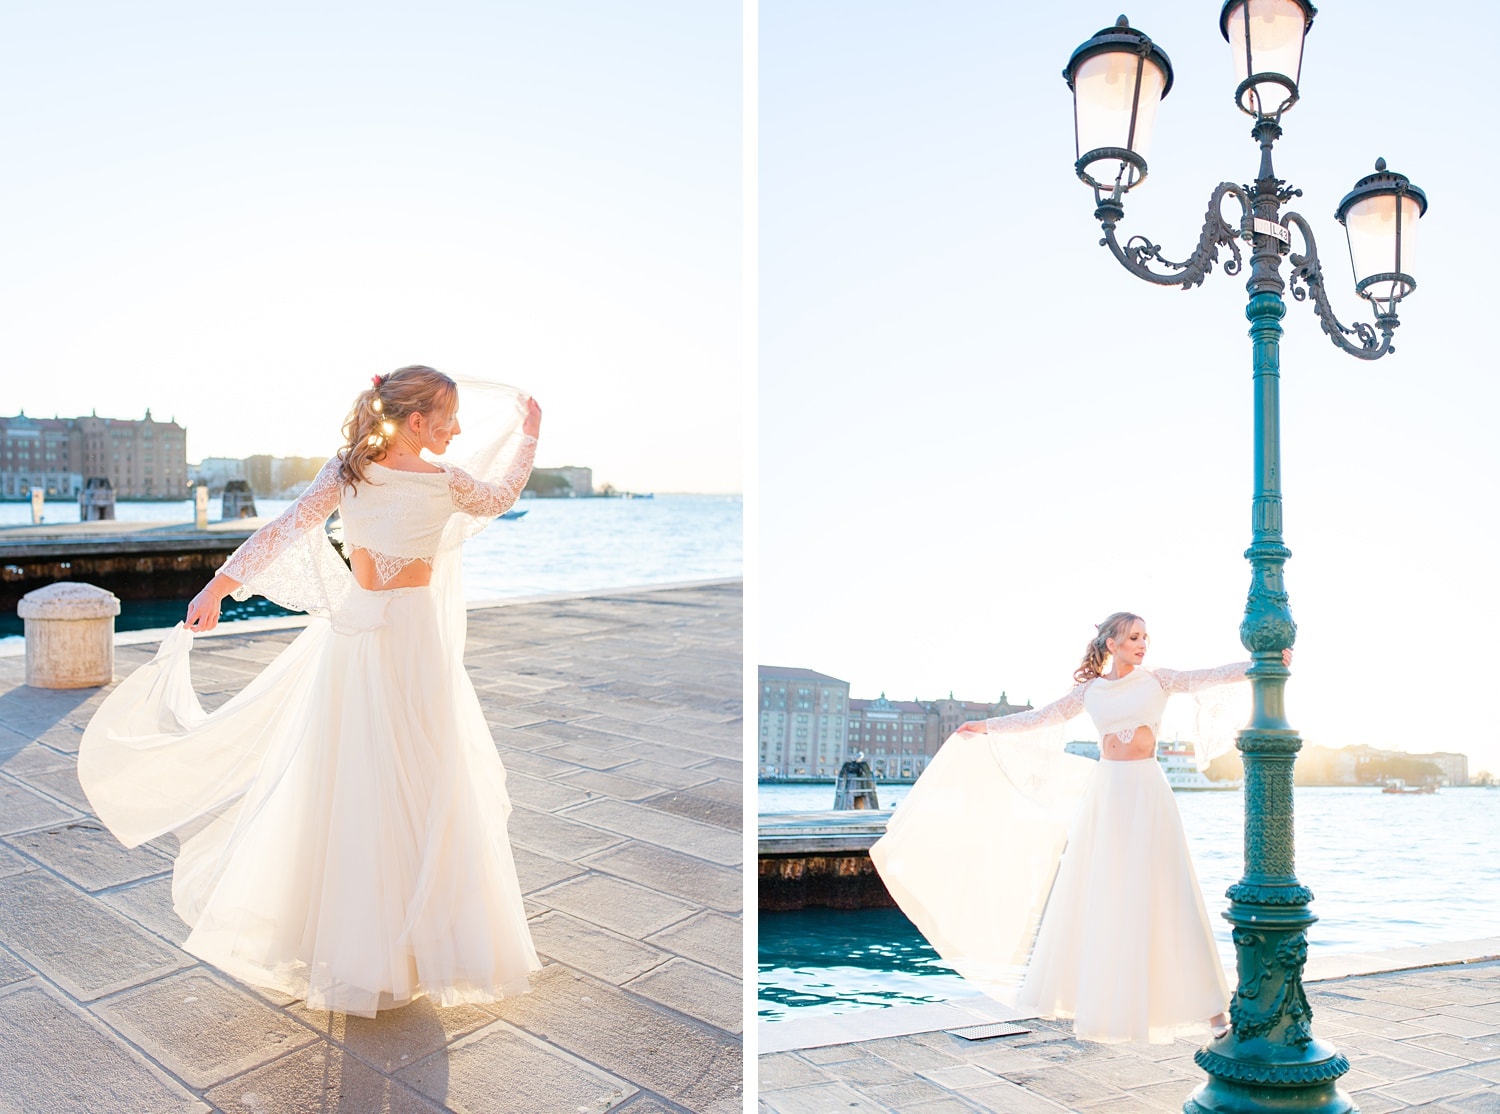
(1286, 657)
(973, 727)
(203, 611)
(533, 423)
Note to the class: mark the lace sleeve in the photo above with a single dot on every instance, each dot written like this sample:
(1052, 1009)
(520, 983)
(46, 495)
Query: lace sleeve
(1220, 705)
(1196, 680)
(1057, 712)
(288, 560)
(477, 497)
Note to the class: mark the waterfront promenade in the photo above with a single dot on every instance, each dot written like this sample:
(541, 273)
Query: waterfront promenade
(618, 717)
(1422, 1036)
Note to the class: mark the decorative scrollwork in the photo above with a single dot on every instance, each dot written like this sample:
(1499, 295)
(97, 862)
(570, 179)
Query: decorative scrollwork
(1308, 269)
(1249, 892)
(1320, 1071)
(1270, 994)
(1138, 253)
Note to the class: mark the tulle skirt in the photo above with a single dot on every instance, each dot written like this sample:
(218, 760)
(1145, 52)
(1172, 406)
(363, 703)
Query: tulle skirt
(1125, 946)
(1060, 886)
(347, 812)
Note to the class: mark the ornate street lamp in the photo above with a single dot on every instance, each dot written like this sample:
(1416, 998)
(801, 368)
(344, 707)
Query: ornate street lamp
(1269, 1060)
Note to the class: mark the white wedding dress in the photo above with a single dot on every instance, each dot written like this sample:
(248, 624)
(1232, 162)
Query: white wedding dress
(343, 818)
(1059, 885)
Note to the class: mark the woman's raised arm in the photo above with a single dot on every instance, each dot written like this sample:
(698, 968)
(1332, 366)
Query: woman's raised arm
(1195, 680)
(488, 499)
(1058, 711)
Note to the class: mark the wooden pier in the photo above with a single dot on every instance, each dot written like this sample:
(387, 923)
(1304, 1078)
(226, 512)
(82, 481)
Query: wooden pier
(134, 560)
(820, 858)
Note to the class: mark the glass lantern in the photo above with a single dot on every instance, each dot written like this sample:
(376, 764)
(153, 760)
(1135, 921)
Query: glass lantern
(1265, 37)
(1118, 77)
(1380, 216)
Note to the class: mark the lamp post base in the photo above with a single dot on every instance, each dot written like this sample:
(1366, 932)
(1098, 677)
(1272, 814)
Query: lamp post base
(1222, 1095)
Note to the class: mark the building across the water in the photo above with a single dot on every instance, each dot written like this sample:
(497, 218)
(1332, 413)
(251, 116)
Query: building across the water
(808, 726)
(567, 481)
(803, 723)
(144, 459)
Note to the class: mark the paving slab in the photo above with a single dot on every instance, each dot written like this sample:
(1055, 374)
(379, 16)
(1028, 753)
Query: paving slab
(78, 943)
(203, 1028)
(623, 907)
(149, 904)
(395, 1039)
(12, 969)
(693, 1065)
(707, 937)
(695, 990)
(101, 1010)
(538, 871)
(22, 808)
(12, 863)
(46, 1040)
(583, 947)
(86, 854)
(673, 872)
(651, 826)
(320, 1079)
(503, 1069)
(698, 806)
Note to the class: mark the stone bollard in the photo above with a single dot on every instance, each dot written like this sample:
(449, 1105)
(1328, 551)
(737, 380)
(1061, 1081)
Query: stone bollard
(70, 635)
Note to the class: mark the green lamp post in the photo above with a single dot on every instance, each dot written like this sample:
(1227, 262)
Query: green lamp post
(1269, 1060)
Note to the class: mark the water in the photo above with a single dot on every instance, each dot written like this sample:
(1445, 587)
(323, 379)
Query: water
(561, 545)
(1387, 871)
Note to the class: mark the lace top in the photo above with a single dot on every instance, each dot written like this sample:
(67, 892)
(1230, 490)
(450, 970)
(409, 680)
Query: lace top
(396, 517)
(1120, 707)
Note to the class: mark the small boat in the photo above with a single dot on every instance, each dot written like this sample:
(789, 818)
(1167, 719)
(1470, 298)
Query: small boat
(1396, 785)
(514, 514)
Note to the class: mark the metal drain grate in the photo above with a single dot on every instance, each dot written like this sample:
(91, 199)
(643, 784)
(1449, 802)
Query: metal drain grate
(986, 1032)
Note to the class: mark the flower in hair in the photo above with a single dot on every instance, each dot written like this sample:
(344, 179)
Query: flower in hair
(376, 380)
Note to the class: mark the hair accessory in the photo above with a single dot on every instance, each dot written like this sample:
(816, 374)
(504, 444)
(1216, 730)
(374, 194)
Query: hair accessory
(376, 380)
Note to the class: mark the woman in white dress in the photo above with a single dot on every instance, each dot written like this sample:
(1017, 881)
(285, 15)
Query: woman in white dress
(1059, 885)
(343, 818)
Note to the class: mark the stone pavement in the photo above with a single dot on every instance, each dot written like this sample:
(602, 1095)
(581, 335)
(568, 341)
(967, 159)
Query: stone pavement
(1426, 1039)
(618, 716)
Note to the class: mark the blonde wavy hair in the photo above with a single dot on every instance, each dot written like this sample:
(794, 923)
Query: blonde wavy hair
(1097, 651)
(379, 411)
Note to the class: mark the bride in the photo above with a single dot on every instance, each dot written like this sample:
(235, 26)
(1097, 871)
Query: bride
(1020, 863)
(343, 818)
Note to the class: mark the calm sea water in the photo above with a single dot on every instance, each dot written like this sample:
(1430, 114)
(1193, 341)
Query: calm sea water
(561, 545)
(1387, 872)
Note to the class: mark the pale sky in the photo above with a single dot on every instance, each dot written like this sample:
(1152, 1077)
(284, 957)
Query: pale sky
(979, 434)
(235, 215)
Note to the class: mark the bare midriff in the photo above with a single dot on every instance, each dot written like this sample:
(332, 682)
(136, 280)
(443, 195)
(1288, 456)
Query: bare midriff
(1142, 745)
(415, 575)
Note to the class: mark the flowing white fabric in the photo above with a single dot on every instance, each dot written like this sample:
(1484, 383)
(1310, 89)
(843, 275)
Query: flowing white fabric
(344, 816)
(973, 857)
(1126, 947)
